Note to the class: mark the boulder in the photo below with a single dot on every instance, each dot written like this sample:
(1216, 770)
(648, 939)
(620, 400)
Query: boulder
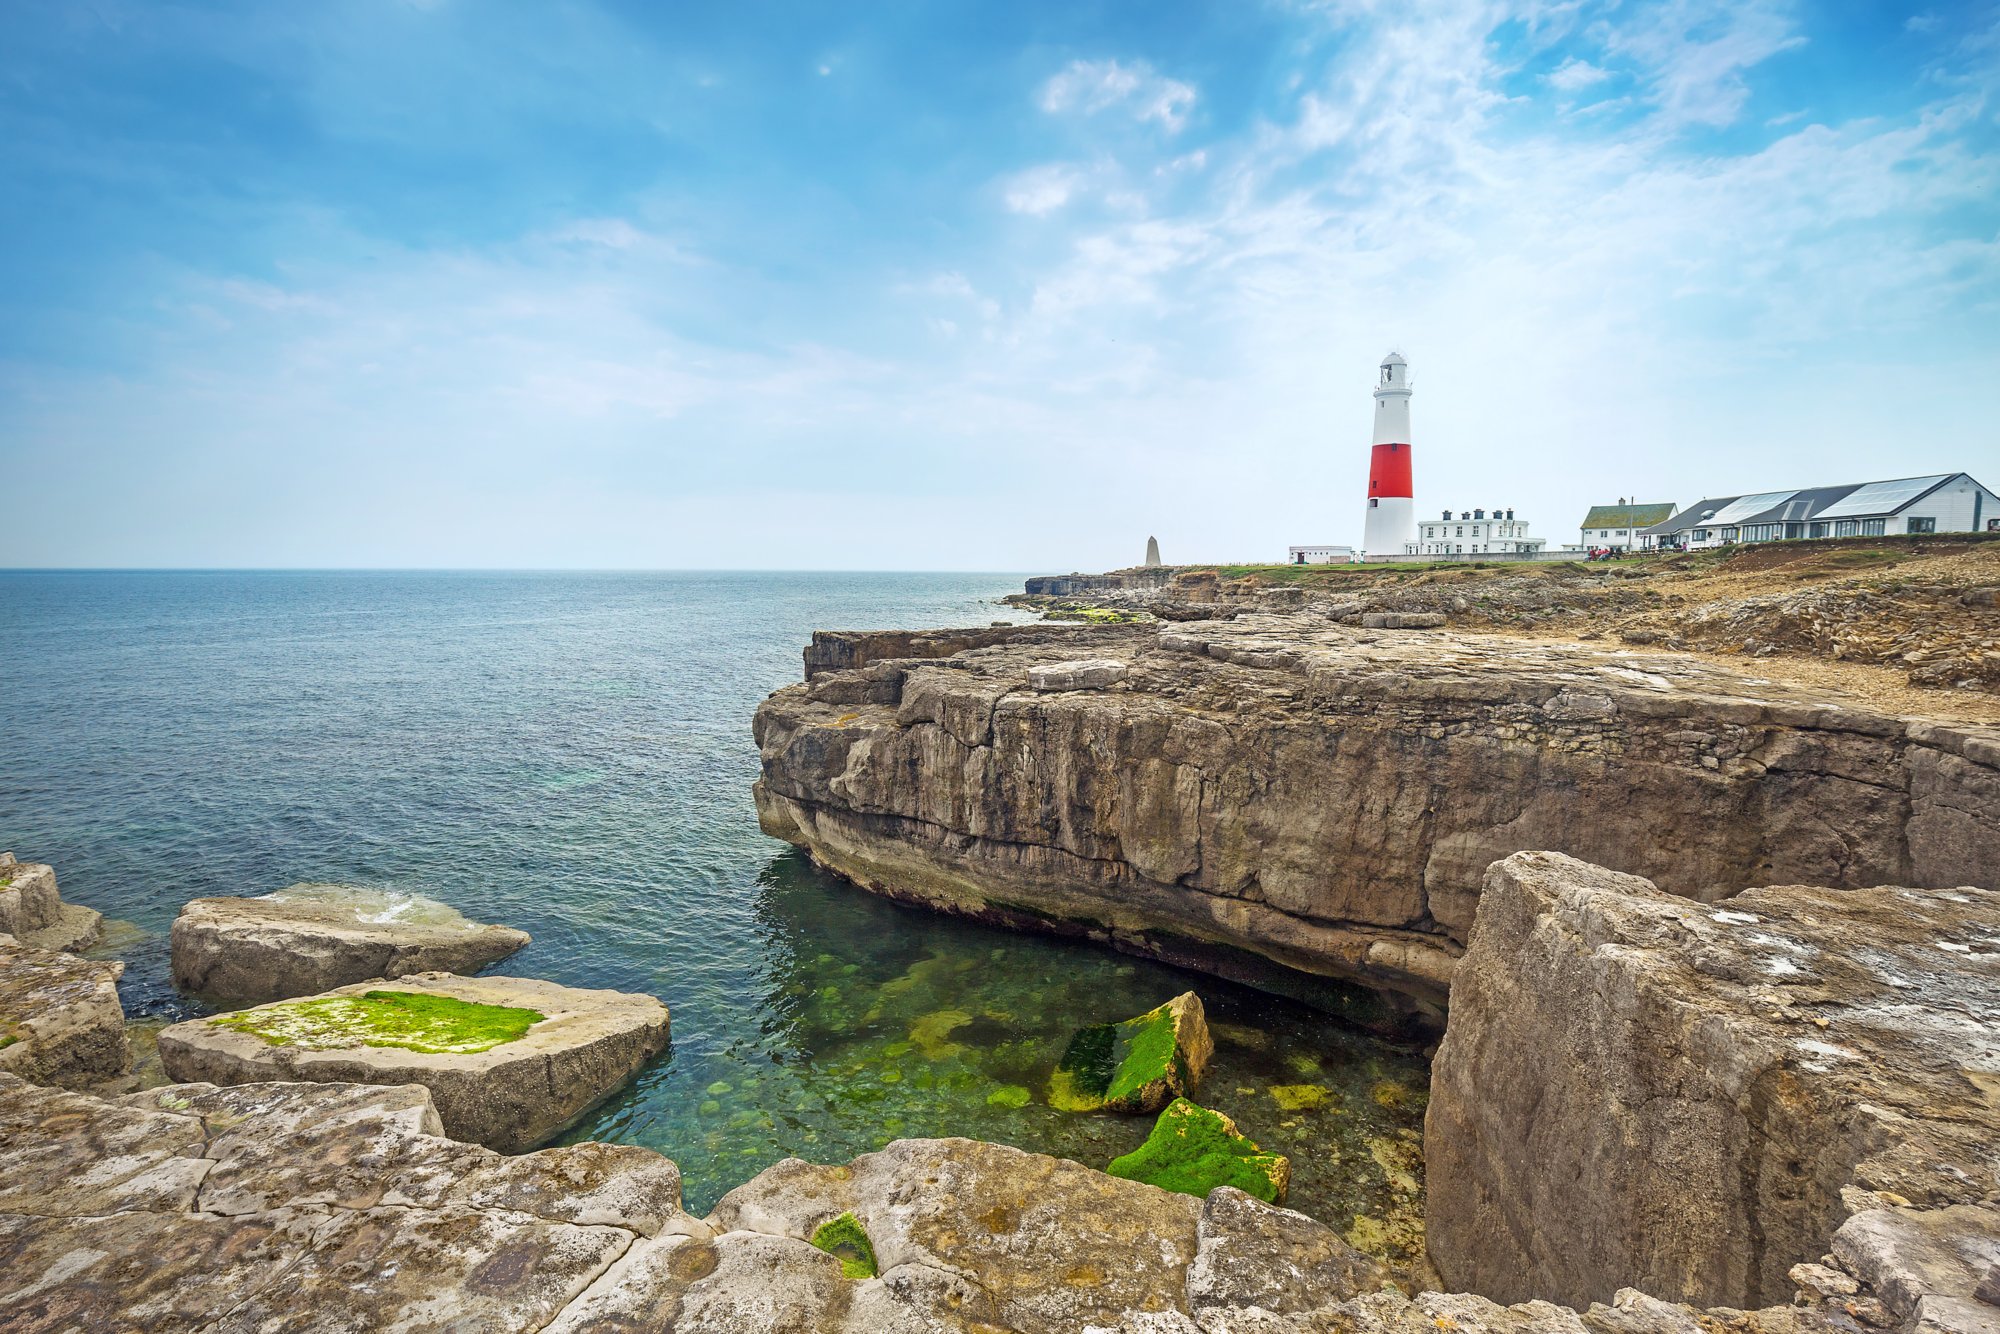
(1082, 674)
(1139, 1065)
(313, 938)
(60, 1020)
(1638, 1090)
(293, 1206)
(1193, 1150)
(32, 911)
(509, 1062)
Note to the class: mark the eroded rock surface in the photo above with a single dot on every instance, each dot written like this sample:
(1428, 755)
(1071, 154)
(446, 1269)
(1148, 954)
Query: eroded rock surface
(60, 1019)
(1282, 790)
(32, 910)
(510, 1096)
(313, 938)
(1637, 1090)
(289, 1206)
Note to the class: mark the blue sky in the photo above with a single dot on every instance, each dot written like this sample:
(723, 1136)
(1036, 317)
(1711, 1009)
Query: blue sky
(1008, 286)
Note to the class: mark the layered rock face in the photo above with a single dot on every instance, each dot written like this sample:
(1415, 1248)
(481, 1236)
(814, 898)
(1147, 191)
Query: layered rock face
(1283, 790)
(313, 938)
(511, 1062)
(1636, 1090)
(32, 910)
(60, 1019)
(273, 1207)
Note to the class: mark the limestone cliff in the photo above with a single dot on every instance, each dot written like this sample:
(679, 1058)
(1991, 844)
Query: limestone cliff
(1282, 790)
(1640, 1091)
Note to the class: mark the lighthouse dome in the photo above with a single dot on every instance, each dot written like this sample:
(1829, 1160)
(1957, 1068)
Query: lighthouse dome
(1394, 359)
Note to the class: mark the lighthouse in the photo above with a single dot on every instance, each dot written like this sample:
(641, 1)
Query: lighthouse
(1390, 520)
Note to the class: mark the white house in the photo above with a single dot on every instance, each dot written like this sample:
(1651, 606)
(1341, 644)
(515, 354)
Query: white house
(1618, 526)
(1940, 503)
(1320, 555)
(1472, 532)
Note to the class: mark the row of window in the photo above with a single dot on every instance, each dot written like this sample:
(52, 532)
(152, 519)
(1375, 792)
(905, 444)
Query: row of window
(1478, 530)
(1772, 532)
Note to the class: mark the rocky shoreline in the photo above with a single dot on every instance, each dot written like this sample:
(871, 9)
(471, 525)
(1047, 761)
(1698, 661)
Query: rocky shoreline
(1714, 960)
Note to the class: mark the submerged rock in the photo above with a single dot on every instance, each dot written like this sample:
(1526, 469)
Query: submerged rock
(509, 1061)
(1194, 1149)
(60, 1020)
(1139, 1065)
(313, 938)
(32, 910)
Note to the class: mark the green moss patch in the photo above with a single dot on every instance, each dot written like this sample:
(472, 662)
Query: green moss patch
(1123, 1067)
(413, 1020)
(1193, 1150)
(843, 1237)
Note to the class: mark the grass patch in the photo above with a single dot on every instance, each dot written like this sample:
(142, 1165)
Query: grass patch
(1193, 1150)
(412, 1020)
(843, 1237)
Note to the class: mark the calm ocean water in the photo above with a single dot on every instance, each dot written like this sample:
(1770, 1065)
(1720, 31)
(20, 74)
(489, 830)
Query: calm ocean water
(571, 754)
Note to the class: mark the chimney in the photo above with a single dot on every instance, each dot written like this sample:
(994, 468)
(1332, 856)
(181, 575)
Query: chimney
(1479, 514)
(1447, 514)
(1510, 515)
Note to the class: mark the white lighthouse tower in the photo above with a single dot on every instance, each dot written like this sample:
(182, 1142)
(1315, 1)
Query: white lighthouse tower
(1391, 521)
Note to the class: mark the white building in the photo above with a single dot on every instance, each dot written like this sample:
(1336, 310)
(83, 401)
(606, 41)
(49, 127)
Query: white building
(1939, 503)
(1318, 555)
(1473, 532)
(1618, 526)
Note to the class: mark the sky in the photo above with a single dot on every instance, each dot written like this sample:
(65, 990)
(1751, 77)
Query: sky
(979, 286)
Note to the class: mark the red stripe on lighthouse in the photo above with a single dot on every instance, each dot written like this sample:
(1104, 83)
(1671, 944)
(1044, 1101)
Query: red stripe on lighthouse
(1389, 471)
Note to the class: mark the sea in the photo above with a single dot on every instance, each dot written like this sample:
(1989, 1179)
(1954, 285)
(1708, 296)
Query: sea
(570, 754)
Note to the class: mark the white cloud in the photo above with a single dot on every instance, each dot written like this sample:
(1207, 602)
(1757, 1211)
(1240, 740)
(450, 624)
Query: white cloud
(1573, 75)
(1040, 191)
(1090, 86)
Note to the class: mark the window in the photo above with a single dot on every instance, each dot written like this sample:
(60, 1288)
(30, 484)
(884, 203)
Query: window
(1372, 502)
(1846, 527)
(1460, 532)
(1916, 525)
(1816, 530)
(1876, 527)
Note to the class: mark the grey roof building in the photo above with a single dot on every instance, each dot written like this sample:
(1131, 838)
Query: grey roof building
(1937, 503)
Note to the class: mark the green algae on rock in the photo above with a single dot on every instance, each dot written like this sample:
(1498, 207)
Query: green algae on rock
(843, 1237)
(1195, 1149)
(414, 1021)
(1136, 1066)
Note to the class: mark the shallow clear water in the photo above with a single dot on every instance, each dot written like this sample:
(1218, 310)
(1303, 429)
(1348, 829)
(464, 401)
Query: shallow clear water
(570, 754)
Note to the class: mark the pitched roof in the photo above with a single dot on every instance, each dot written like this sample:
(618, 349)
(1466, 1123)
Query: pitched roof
(1625, 516)
(1702, 511)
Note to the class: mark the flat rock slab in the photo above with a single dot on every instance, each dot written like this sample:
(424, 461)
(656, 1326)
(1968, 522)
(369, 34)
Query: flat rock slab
(1083, 674)
(60, 1020)
(32, 910)
(508, 1091)
(313, 938)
